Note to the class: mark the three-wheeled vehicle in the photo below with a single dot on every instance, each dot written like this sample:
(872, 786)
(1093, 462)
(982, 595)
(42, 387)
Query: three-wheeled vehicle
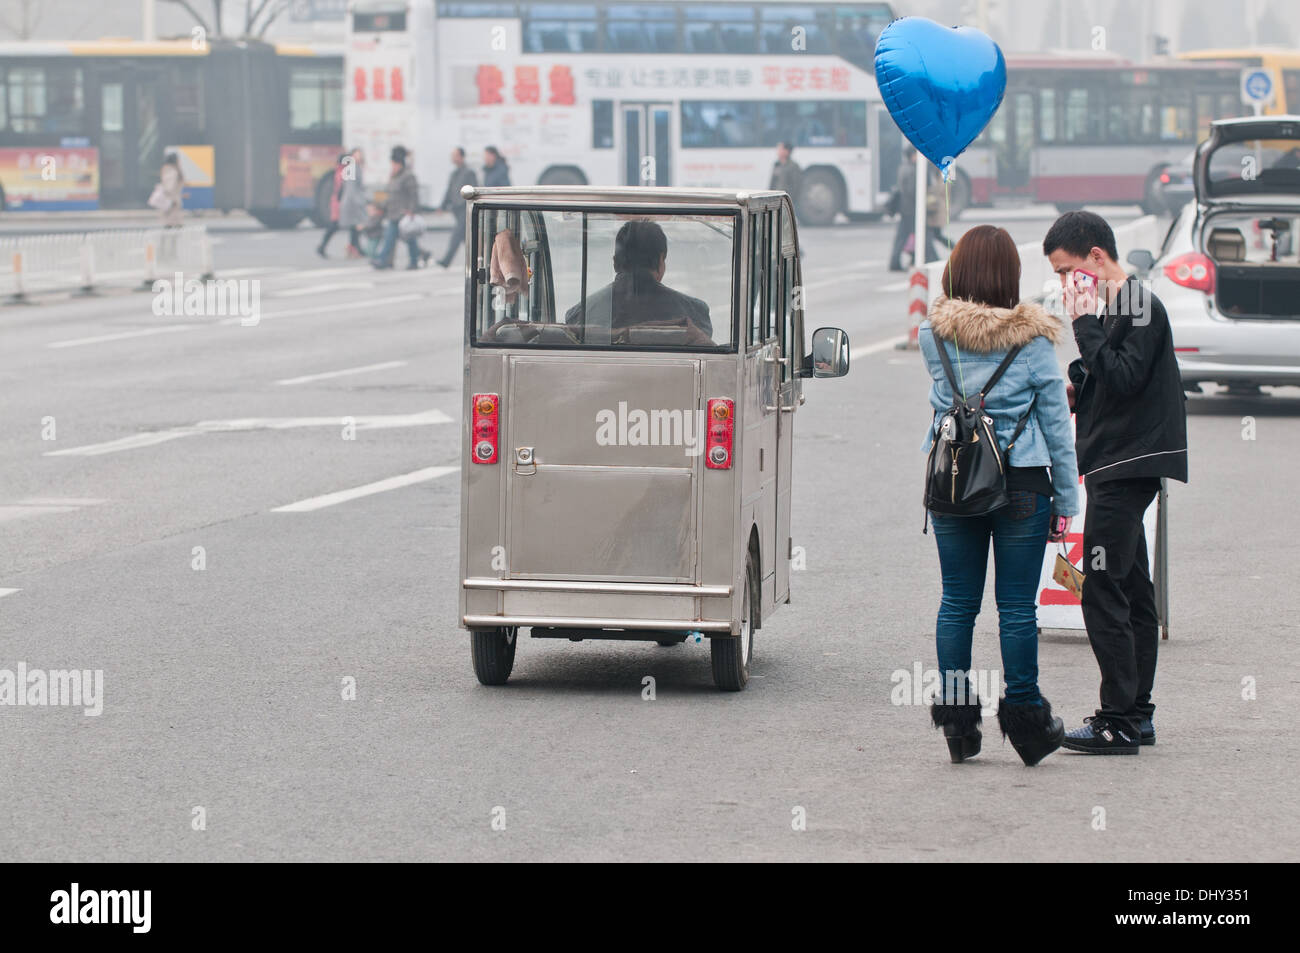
(634, 358)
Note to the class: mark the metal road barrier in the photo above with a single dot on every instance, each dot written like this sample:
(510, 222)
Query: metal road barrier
(90, 261)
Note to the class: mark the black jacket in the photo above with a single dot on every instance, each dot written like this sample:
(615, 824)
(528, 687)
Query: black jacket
(1130, 409)
(636, 298)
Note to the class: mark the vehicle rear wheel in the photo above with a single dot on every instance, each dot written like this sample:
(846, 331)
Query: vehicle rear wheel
(494, 653)
(820, 198)
(731, 655)
(278, 218)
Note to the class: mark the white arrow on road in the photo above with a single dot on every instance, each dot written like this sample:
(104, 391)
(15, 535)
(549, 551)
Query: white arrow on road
(135, 441)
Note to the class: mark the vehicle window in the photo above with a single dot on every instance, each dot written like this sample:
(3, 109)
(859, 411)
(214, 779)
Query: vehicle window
(1238, 168)
(755, 278)
(316, 96)
(773, 273)
(787, 318)
(578, 279)
(43, 99)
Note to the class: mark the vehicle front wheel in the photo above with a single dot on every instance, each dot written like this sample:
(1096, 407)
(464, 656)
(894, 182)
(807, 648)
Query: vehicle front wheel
(731, 655)
(820, 199)
(494, 653)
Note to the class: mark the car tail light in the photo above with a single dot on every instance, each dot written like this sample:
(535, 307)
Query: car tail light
(722, 427)
(1164, 178)
(483, 436)
(1192, 270)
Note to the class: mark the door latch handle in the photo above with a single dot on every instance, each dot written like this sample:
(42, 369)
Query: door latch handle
(525, 461)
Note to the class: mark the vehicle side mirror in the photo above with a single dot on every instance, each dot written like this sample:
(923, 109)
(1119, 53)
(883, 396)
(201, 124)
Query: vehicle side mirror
(830, 353)
(1142, 260)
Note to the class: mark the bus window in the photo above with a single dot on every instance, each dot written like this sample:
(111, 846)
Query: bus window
(315, 99)
(640, 28)
(533, 290)
(777, 24)
(559, 28)
(1082, 121)
(1047, 116)
(43, 99)
(1290, 90)
(720, 28)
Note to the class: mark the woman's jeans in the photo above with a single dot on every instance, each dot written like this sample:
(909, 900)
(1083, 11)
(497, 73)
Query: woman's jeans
(1019, 533)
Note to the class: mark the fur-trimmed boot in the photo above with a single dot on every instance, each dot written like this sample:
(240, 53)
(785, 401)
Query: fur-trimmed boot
(960, 724)
(1033, 730)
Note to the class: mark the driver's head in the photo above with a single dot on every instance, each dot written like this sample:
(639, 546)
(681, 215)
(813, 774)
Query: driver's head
(641, 246)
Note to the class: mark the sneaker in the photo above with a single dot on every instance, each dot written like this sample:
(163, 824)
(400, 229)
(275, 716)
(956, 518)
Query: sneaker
(1098, 736)
(1147, 729)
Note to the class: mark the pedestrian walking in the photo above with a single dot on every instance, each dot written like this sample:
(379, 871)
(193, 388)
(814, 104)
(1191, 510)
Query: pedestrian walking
(1008, 380)
(786, 174)
(1131, 430)
(403, 200)
(336, 188)
(353, 203)
(168, 198)
(495, 170)
(905, 190)
(461, 175)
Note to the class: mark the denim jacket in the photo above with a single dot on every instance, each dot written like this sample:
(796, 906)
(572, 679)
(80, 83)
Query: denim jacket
(984, 335)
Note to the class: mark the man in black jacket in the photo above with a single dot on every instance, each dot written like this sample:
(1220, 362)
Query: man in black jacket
(1130, 430)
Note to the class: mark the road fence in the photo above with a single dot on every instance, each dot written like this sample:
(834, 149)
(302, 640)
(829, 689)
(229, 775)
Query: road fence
(88, 262)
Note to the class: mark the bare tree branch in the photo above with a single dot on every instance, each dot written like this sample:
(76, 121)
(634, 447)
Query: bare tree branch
(194, 13)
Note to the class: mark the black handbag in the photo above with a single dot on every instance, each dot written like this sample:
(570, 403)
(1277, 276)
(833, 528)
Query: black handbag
(966, 471)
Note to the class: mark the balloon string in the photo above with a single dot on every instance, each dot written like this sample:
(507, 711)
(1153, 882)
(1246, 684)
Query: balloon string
(947, 227)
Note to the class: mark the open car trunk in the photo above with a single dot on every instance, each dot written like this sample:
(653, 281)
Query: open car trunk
(1257, 266)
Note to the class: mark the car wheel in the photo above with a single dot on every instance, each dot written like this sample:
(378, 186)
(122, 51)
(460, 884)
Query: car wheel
(731, 654)
(494, 653)
(278, 218)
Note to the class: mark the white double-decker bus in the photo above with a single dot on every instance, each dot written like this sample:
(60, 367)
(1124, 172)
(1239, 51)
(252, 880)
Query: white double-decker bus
(614, 93)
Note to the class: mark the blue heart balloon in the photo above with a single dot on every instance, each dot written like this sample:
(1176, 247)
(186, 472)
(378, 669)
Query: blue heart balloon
(942, 85)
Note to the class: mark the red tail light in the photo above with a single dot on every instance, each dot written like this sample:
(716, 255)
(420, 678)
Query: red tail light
(1164, 178)
(722, 427)
(1192, 270)
(483, 437)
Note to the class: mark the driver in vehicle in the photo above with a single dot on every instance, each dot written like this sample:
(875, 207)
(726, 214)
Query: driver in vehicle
(637, 297)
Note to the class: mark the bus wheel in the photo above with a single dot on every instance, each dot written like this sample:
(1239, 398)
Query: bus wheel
(562, 175)
(731, 654)
(320, 213)
(821, 197)
(278, 217)
(494, 653)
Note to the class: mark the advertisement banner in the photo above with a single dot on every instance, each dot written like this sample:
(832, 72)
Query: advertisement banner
(50, 179)
(197, 171)
(300, 169)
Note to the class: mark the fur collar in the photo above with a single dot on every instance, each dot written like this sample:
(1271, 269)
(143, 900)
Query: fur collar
(981, 328)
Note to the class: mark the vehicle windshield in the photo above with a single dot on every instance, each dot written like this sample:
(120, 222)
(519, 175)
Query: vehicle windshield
(552, 278)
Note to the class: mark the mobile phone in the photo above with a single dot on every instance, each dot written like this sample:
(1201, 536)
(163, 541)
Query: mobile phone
(1084, 280)
(1058, 527)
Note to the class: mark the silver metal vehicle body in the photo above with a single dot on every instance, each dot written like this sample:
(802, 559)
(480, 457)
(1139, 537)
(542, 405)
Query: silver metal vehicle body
(628, 434)
(1229, 271)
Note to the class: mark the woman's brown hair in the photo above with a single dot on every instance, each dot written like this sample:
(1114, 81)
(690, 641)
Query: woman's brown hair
(984, 268)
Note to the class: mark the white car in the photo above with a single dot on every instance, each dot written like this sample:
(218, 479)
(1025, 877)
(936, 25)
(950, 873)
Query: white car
(1229, 270)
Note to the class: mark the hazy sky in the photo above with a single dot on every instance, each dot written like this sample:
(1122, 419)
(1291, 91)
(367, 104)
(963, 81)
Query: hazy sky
(1018, 25)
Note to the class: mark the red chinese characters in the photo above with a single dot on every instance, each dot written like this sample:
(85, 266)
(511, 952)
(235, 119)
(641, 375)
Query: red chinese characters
(561, 80)
(490, 83)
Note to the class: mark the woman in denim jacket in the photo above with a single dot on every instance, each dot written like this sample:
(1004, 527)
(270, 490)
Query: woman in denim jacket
(978, 320)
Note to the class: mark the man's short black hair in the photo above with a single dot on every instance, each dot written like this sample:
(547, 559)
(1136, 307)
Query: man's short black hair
(638, 246)
(787, 144)
(1077, 233)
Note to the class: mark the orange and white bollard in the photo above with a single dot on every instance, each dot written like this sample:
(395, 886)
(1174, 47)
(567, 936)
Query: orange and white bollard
(918, 306)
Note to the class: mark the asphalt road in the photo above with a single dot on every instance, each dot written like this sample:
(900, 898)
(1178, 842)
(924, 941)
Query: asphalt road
(223, 686)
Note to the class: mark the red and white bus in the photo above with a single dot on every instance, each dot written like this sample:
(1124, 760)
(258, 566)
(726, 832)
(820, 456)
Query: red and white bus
(1076, 129)
(618, 93)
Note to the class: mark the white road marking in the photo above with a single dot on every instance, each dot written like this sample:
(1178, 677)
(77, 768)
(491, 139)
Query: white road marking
(8, 592)
(135, 441)
(336, 270)
(40, 506)
(307, 378)
(885, 345)
(382, 486)
(321, 289)
(123, 335)
(253, 271)
(366, 306)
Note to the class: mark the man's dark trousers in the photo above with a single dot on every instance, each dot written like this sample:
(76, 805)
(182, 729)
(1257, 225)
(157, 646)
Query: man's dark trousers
(457, 236)
(1119, 604)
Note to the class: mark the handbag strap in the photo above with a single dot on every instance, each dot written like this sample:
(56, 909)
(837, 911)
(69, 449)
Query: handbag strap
(1022, 423)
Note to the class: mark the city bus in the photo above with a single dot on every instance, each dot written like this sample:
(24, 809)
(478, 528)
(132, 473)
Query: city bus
(85, 125)
(1076, 129)
(694, 94)
(1283, 64)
